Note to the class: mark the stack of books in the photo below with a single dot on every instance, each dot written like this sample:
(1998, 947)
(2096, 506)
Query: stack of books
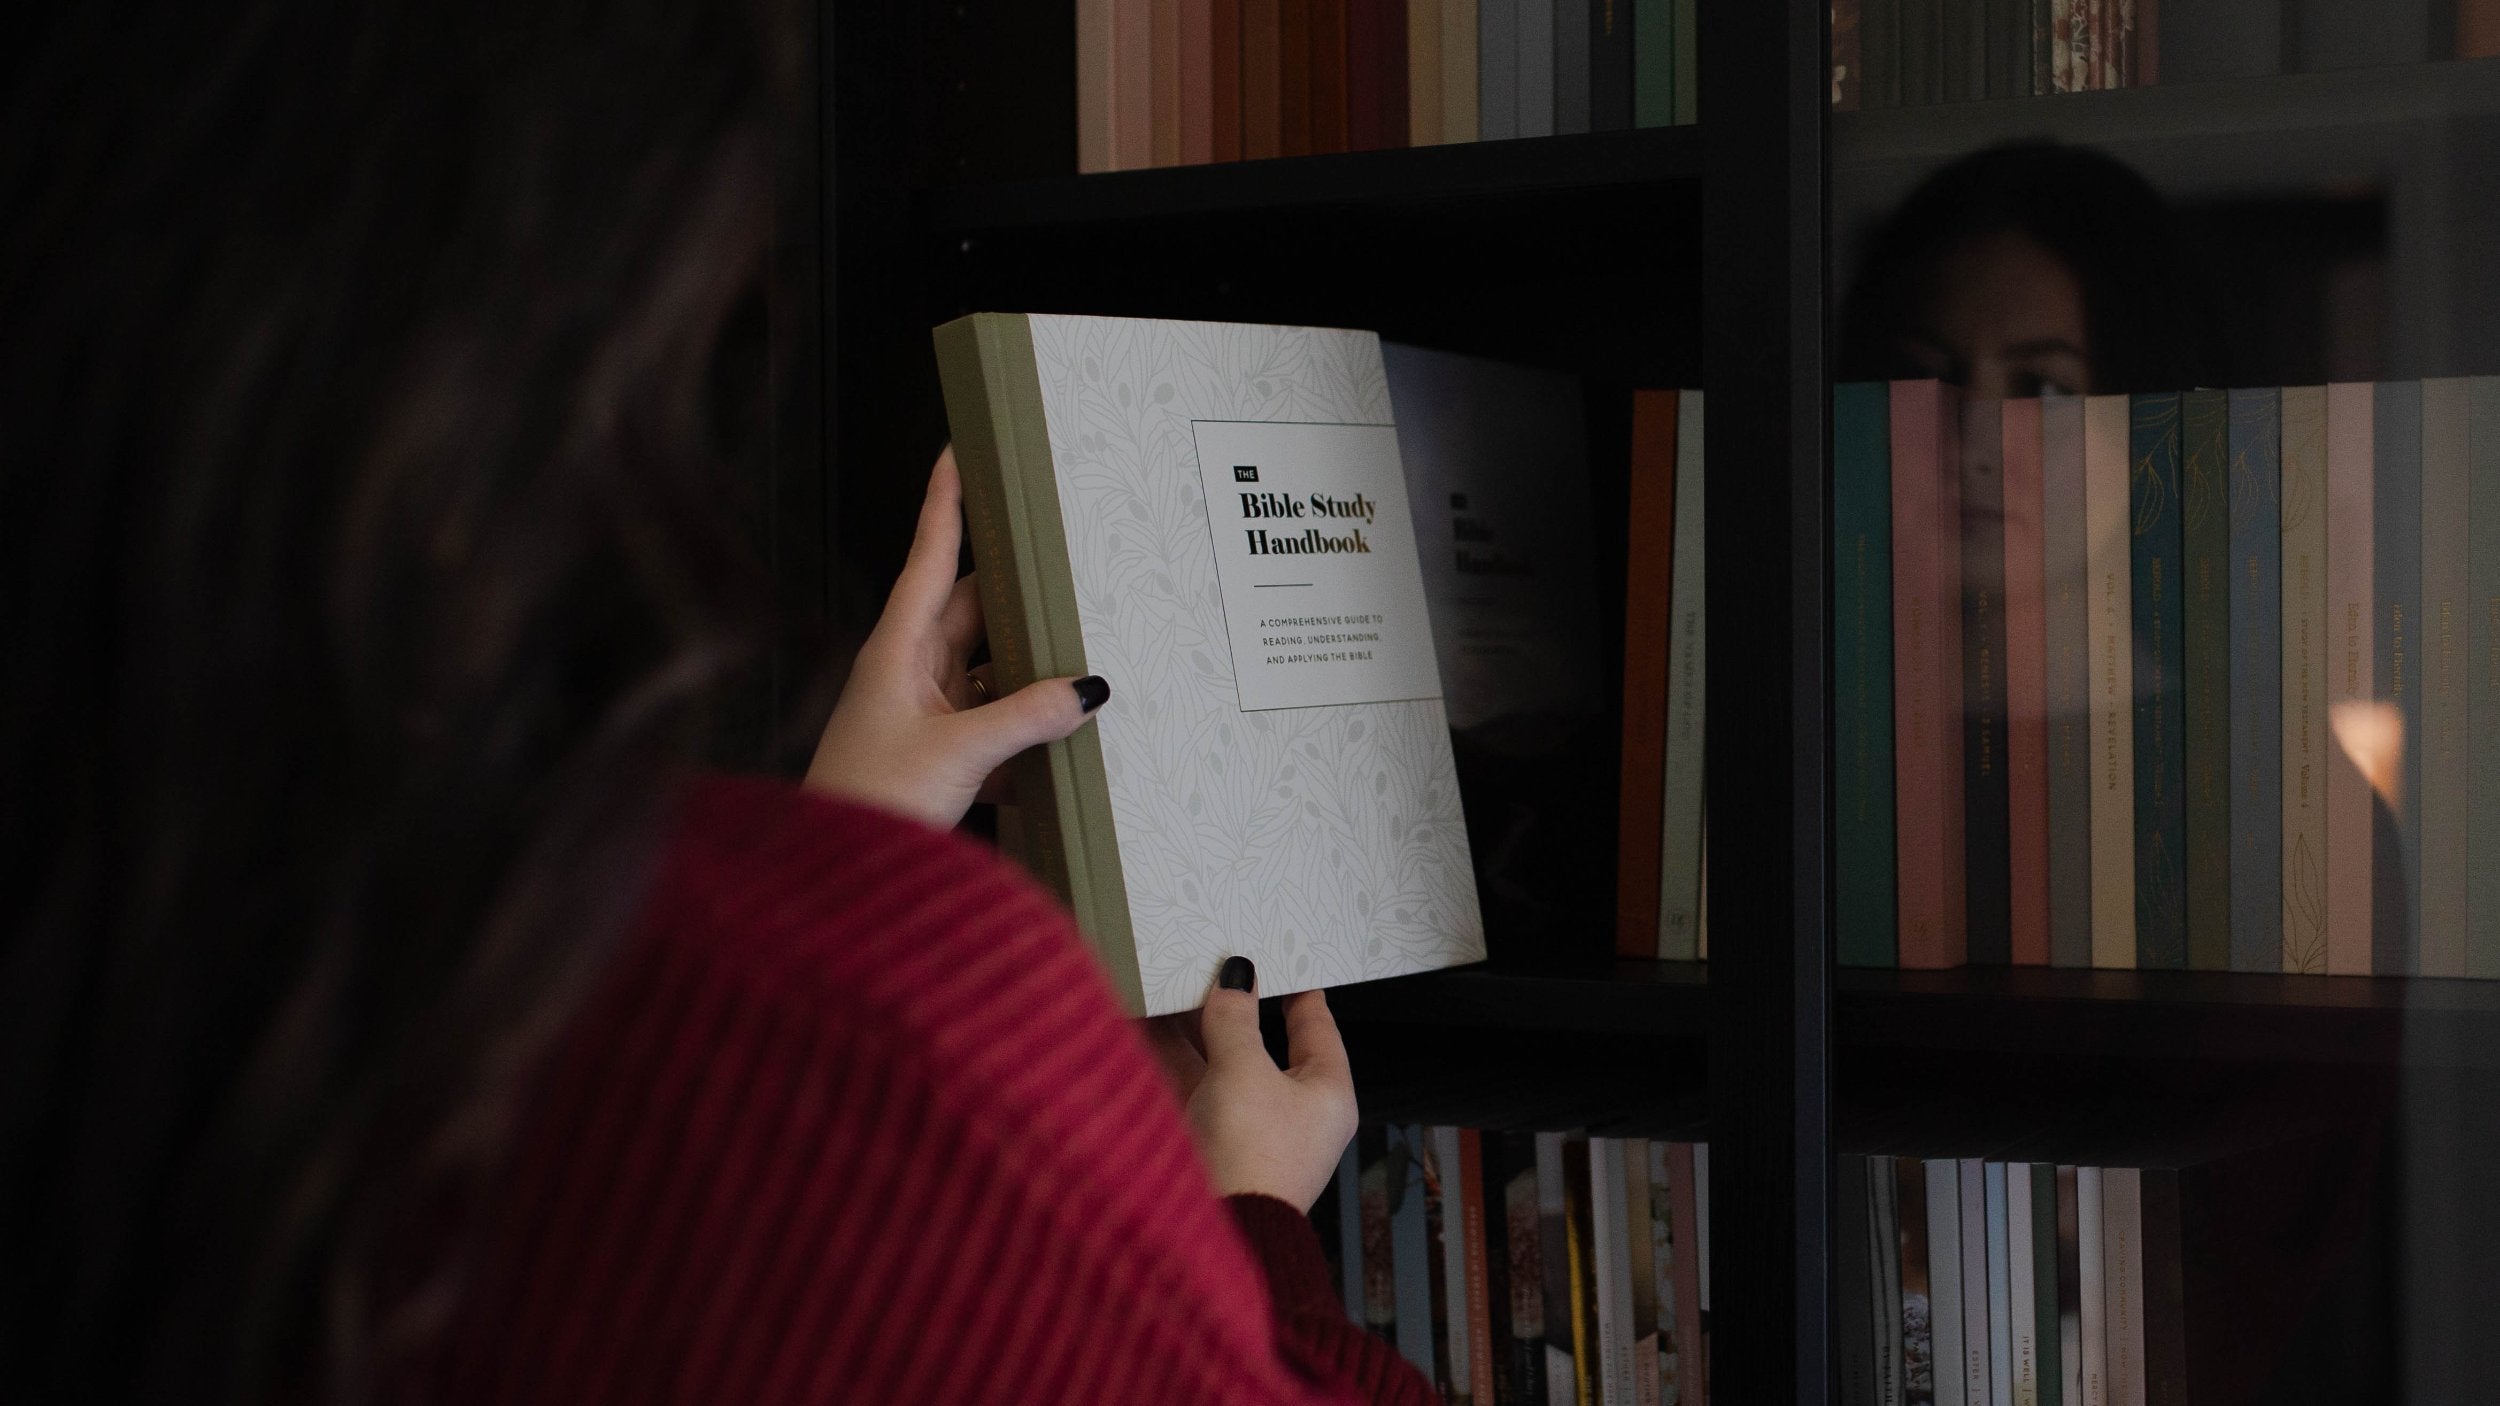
(2203, 679)
(1529, 1267)
(1186, 82)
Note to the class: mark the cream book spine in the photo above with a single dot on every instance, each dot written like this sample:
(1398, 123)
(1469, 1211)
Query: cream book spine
(2108, 545)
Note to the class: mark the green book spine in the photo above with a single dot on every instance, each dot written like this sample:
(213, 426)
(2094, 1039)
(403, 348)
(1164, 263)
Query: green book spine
(2482, 927)
(1063, 824)
(2205, 587)
(1680, 826)
(1862, 672)
(1653, 63)
(2043, 1193)
(2160, 722)
(2396, 667)
(1687, 65)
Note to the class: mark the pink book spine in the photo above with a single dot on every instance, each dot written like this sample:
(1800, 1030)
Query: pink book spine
(2354, 719)
(2026, 686)
(1197, 82)
(1132, 84)
(1927, 654)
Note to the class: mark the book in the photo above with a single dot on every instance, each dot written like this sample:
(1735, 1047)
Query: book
(2048, 1330)
(1853, 1278)
(1687, 63)
(1195, 81)
(1884, 1250)
(1534, 87)
(1384, 1174)
(1973, 1241)
(1653, 63)
(1917, 1322)
(2108, 546)
(2307, 743)
(1366, 66)
(1986, 900)
(1686, 1173)
(1575, 69)
(2067, 610)
(2022, 1285)
(2160, 697)
(1146, 502)
(1456, 1292)
(1580, 1250)
(1862, 674)
(1425, 106)
(1610, 1243)
(1662, 1251)
(1497, 474)
(2443, 812)
(1224, 71)
(2122, 1271)
(2255, 721)
(2069, 1287)
(1262, 79)
(2092, 1259)
(1434, 1183)
(1879, 53)
(1458, 70)
(1848, 72)
(2000, 1253)
(2026, 688)
(1497, 70)
(1945, 1285)
(1332, 79)
(1641, 1271)
(1562, 1362)
(1681, 796)
(1488, 1281)
(1097, 106)
(1294, 77)
(1395, 70)
(2395, 668)
(2205, 652)
(2354, 724)
(2482, 899)
(1927, 652)
(1648, 594)
(1522, 1369)
(1611, 64)
(1163, 19)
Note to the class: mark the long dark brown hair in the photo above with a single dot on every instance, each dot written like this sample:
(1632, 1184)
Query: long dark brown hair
(370, 565)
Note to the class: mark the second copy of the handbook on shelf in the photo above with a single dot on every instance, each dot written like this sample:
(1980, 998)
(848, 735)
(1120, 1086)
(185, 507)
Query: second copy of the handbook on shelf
(1214, 518)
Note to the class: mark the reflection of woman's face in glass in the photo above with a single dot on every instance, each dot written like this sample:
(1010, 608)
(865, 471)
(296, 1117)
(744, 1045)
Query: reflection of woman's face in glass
(2002, 316)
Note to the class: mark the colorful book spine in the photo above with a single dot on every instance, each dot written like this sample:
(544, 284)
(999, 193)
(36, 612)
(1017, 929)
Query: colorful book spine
(2026, 688)
(1862, 667)
(1611, 64)
(2440, 678)
(1497, 70)
(1535, 84)
(1653, 63)
(1927, 651)
(2482, 900)
(2109, 544)
(1680, 826)
(2067, 664)
(2395, 671)
(1986, 901)
(2160, 696)
(1608, 1250)
(1648, 592)
(2354, 723)
(2205, 645)
(2308, 743)
(2255, 719)
(1456, 1288)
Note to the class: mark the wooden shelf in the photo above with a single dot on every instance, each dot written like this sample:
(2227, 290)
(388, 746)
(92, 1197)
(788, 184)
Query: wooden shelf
(1472, 173)
(2216, 1017)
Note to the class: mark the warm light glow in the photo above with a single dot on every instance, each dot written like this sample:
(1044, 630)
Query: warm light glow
(2373, 735)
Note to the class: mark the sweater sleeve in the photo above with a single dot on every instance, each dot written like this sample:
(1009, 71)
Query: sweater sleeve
(1311, 1322)
(856, 1119)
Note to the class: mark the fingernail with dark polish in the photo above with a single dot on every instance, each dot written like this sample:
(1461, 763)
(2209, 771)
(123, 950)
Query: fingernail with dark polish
(1237, 975)
(1092, 692)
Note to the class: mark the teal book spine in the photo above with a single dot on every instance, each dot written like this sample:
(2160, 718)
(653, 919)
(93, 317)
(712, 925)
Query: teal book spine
(2396, 564)
(2066, 659)
(2256, 718)
(2205, 591)
(1653, 63)
(2049, 1333)
(2153, 502)
(1862, 672)
(2482, 899)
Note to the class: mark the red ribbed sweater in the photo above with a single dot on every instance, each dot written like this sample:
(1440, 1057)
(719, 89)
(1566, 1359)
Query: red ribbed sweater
(855, 1118)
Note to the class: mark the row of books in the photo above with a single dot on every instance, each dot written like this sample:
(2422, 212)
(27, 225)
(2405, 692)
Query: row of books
(1660, 899)
(2182, 680)
(1187, 82)
(1543, 1268)
(1912, 53)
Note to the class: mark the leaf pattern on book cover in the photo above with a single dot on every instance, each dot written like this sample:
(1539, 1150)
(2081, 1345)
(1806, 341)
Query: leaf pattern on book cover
(2304, 908)
(1324, 844)
(2150, 489)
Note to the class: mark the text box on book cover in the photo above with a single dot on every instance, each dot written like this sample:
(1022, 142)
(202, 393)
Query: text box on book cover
(1315, 560)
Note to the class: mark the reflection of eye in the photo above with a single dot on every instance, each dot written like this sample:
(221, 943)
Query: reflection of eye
(2024, 385)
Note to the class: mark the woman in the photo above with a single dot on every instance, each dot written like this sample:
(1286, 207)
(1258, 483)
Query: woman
(390, 1011)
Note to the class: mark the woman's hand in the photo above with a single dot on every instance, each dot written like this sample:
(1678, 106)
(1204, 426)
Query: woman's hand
(907, 735)
(1262, 1130)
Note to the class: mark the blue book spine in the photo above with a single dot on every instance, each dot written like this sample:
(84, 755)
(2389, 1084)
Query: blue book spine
(2482, 930)
(2396, 566)
(2160, 694)
(1862, 672)
(2256, 681)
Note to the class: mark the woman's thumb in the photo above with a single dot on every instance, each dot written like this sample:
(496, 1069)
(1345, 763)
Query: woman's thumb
(1043, 711)
(1228, 1025)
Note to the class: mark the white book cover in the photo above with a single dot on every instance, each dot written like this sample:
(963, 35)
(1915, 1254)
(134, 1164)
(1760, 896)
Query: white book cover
(2110, 610)
(1944, 1280)
(2307, 741)
(2021, 1267)
(1221, 530)
(1610, 1247)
